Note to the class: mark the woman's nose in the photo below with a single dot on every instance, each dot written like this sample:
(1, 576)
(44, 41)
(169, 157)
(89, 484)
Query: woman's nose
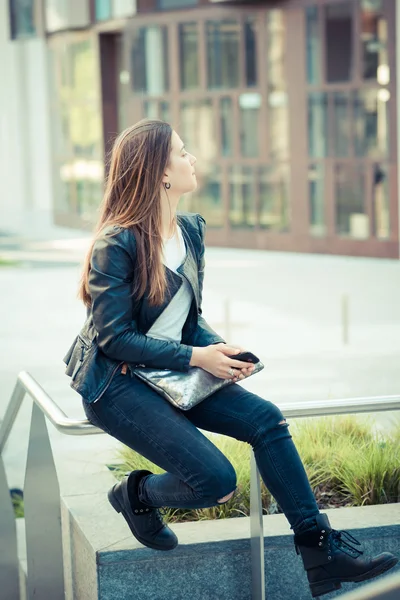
(193, 159)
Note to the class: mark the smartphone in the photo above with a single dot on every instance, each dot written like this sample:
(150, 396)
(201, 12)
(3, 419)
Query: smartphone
(246, 357)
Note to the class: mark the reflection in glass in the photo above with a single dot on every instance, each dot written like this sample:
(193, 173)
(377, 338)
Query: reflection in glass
(317, 125)
(103, 10)
(77, 131)
(381, 201)
(241, 196)
(250, 41)
(175, 3)
(351, 218)
(150, 109)
(165, 114)
(374, 38)
(371, 122)
(222, 54)
(197, 128)
(149, 56)
(316, 196)
(189, 56)
(123, 8)
(313, 41)
(278, 124)
(207, 200)
(22, 21)
(114, 9)
(273, 184)
(339, 41)
(341, 123)
(226, 120)
(249, 105)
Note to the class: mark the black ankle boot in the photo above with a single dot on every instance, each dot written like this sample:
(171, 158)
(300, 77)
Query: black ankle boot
(329, 559)
(144, 521)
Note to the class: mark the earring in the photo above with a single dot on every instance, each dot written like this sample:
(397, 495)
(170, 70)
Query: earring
(167, 185)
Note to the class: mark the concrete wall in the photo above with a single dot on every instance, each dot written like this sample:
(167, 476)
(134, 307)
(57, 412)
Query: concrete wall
(25, 158)
(212, 560)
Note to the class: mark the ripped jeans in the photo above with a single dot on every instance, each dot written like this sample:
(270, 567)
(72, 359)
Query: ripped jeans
(198, 474)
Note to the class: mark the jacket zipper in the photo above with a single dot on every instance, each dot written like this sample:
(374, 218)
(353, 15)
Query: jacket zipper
(110, 380)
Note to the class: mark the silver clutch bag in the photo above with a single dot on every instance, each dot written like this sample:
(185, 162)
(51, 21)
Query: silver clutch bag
(185, 390)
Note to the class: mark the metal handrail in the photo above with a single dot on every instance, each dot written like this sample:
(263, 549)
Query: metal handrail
(44, 406)
(69, 426)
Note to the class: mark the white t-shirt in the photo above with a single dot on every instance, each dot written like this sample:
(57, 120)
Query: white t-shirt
(169, 324)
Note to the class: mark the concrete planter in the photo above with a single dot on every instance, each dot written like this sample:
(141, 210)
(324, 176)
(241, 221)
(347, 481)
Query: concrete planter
(212, 561)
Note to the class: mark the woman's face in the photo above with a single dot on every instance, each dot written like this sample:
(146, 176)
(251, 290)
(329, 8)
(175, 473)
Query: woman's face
(180, 172)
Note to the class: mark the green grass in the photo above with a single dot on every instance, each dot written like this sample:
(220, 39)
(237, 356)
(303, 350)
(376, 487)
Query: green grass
(347, 463)
(7, 263)
(18, 505)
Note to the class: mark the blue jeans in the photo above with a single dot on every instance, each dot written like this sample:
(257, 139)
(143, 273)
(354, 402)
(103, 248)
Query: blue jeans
(197, 472)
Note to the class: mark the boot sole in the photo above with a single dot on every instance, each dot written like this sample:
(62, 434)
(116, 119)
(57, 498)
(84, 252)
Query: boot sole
(117, 506)
(324, 587)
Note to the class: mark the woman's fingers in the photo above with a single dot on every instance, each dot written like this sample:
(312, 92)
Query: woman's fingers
(240, 364)
(228, 350)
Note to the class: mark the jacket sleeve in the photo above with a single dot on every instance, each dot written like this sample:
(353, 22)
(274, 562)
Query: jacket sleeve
(204, 334)
(110, 286)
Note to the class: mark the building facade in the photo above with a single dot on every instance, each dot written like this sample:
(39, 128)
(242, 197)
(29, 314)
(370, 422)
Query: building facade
(290, 108)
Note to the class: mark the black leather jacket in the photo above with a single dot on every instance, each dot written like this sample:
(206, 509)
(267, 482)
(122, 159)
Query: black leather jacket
(117, 323)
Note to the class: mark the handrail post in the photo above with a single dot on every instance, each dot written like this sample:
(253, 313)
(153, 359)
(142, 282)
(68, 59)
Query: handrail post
(42, 515)
(256, 533)
(9, 567)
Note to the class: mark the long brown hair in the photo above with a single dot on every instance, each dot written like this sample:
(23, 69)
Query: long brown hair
(139, 157)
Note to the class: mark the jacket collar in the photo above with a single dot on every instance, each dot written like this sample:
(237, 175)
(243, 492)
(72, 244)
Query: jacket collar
(188, 269)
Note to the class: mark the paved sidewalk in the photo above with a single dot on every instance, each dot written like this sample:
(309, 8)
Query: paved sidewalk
(284, 307)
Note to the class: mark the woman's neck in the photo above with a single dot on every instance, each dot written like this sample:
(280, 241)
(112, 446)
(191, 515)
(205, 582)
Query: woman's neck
(169, 206)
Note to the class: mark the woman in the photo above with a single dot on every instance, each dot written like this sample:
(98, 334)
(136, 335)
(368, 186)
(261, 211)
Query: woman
(142, 285)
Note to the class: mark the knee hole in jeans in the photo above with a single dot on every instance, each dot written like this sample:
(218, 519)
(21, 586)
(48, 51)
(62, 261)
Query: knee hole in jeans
(226, 498)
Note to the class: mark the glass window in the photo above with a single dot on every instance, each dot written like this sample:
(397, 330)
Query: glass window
(278, 125)
(313, 41)
(241, 196)
(103, 10)
(60, 14)
(22, 19)
(197, 129)
(316, 195)
(273, 182)
(165, 4)
(222, 54)
(341, 124)
(249, 106)
(226, 120)
(150, 60)
(250, 41)
(153, 109)
(371, 122)
(351, 219)
(208, 199)
(123, 8)
(317, 124)
(374, 39)
(165, 114)
(77, 133)
(339, 41)
(150, 109)
(114, 9)
(189, 55)
(381, 201)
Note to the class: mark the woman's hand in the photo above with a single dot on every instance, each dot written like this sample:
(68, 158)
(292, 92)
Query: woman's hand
(215, 359)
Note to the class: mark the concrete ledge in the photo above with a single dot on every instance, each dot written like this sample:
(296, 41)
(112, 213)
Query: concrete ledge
(212, 560)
